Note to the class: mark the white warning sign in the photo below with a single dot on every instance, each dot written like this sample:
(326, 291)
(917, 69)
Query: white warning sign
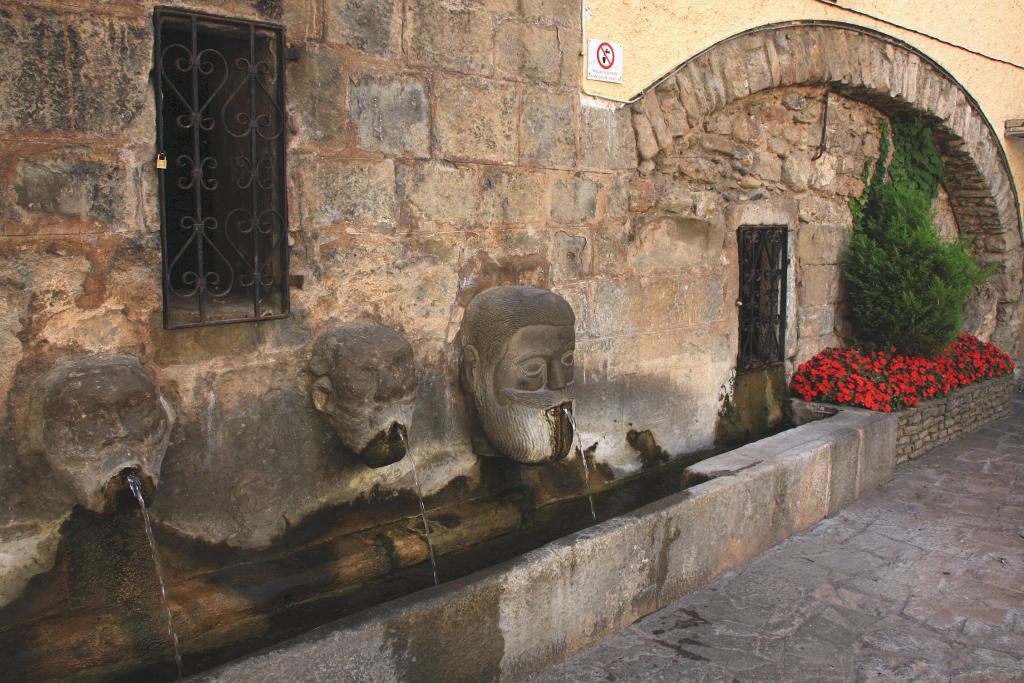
(604, 61)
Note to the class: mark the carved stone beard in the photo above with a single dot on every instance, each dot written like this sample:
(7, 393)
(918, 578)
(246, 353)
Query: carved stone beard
(525, 433)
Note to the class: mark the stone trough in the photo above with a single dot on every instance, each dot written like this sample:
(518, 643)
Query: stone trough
(513, 619)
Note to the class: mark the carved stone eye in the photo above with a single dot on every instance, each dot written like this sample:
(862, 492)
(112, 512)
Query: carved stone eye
(532, 368)
(568, 359)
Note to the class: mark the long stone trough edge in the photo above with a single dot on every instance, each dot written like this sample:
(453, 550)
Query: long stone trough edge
(510, 621)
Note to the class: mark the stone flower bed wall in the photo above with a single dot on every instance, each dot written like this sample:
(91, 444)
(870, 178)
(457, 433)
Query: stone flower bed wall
(935, 422)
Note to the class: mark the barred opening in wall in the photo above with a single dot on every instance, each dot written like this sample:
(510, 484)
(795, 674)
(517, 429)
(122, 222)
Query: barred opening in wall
(764, 261)
(223, 203)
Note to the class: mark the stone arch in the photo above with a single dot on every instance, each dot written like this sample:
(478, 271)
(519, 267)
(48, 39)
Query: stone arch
(885, 73)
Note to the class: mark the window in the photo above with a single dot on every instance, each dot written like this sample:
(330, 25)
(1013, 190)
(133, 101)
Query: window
(764, 262)
(221, 167)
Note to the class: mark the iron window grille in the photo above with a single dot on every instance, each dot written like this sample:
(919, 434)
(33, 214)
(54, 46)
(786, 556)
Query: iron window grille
(764, 261)
(221, 137)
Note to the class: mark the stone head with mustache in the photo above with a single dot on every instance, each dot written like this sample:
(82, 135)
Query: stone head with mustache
(517, 363)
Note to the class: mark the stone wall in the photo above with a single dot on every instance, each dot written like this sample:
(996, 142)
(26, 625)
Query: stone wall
(756, 161)
(752, 163)
(935, 422)
(436, 149)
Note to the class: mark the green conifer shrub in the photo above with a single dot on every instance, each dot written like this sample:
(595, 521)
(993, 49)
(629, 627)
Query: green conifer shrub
(906, 288)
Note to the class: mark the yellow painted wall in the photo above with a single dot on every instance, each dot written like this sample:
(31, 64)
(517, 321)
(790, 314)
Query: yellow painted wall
(658, 35)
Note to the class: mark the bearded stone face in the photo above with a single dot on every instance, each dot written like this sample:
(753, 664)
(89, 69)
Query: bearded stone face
(366, 387)
(93, 418)
(521, 385)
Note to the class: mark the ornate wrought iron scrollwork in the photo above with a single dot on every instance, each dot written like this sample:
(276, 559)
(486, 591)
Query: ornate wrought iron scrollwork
(261, 173)
(267, 125)
(220, 109)
(764, 263)
(267, 224)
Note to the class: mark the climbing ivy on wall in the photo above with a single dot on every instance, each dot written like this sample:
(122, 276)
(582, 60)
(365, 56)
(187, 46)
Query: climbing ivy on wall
(906, 288)
(872, 177)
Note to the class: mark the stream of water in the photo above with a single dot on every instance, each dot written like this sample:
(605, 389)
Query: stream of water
(423, 508)
(136, 488)
(578, 446)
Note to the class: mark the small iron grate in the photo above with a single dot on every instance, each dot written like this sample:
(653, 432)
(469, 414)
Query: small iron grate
(764, 263)
(221, 153)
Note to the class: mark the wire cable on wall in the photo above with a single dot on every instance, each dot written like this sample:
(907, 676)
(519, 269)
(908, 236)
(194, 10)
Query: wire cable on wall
(828, 3)
(832, 3)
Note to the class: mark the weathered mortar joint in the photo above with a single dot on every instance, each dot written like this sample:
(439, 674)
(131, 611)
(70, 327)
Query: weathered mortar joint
(716, 474)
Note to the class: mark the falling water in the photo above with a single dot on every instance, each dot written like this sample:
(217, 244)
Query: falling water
(423, 508)
(136, 487)
(449, 407)
(583, 458)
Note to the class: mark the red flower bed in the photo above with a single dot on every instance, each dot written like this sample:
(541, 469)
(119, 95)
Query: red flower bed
(884, 381)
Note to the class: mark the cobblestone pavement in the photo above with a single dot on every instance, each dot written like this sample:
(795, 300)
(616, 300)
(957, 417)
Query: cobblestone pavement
(922, 580)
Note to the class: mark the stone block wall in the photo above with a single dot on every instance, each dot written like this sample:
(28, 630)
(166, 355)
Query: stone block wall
(435, 149)
(756, 161)
(938, 421)
(751, 163)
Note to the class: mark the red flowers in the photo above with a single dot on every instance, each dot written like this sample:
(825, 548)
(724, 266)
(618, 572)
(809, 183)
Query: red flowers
(883, 381)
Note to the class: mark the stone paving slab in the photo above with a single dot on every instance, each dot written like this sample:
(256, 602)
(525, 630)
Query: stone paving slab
(922, 580)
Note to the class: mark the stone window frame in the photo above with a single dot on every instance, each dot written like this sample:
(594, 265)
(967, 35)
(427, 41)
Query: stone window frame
(246, 277)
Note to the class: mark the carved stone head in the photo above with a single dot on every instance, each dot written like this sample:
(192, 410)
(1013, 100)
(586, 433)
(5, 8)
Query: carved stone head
(94, 417)
(517, 362)
(366, 386)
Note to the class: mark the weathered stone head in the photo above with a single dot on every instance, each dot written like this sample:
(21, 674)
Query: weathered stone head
(517, 362)
(94, 417)
(366, 386)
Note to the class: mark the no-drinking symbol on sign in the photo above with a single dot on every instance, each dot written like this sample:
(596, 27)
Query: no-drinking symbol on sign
(604, 61)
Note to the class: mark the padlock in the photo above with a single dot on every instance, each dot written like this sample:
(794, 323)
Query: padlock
(161, 161)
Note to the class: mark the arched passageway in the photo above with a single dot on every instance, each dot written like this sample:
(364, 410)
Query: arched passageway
(887, 74)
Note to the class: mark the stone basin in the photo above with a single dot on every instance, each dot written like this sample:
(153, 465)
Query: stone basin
(529, 576)
(511, 620)
(228, 601)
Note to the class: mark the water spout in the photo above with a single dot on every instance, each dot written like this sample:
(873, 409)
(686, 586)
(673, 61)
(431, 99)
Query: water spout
(583, 458)
(136, 488)
(423, 508)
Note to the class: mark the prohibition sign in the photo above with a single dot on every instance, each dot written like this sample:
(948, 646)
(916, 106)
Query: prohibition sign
(605, 55)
